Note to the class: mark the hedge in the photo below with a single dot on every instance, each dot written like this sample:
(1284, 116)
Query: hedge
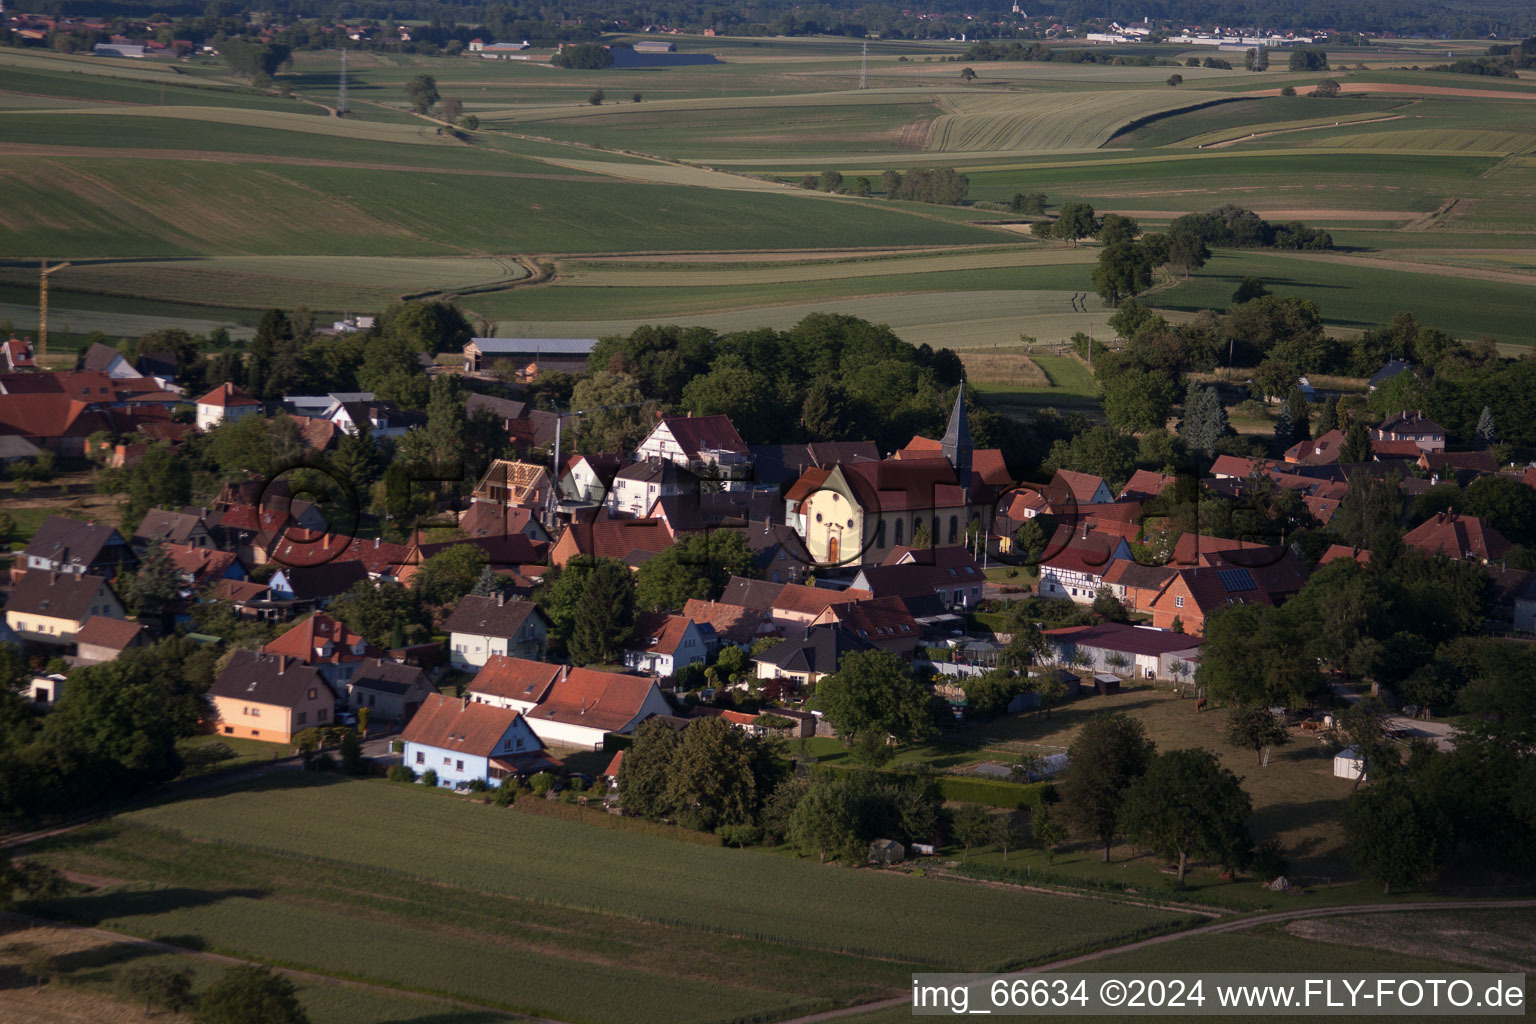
(993, 792)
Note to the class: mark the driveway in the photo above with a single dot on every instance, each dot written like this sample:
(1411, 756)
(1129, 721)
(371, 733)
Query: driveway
(1441, 734)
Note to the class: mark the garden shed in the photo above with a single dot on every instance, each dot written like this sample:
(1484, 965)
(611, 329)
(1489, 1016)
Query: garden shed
(1348, 764)
(886, 851)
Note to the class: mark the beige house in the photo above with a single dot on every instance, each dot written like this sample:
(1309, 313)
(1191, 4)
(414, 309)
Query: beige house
(269, 697)
(51, 607)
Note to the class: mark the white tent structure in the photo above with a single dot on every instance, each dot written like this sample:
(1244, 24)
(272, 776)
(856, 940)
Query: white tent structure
(1348, 764)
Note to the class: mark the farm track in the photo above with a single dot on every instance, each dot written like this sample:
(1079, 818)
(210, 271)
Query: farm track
(1286, 131)
(1218, 927)
(208, 156)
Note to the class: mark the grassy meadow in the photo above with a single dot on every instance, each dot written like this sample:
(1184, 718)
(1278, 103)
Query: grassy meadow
(441, 894)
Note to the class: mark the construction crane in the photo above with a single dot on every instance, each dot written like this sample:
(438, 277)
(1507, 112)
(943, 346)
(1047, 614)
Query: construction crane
(42, 312)
(549, 512)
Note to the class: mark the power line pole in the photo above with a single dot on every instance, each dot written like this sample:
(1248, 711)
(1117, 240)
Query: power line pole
(864, 68)
(342, 108)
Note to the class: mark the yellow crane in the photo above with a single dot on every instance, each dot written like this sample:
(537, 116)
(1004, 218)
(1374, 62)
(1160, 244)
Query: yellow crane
(42, 313)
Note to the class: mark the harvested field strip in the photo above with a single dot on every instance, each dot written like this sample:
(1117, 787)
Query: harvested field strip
(1228, 136)
(102, 153)
(579, 276)
(370, 131)
(93, 66)
(676, 174)
(319, 282)
(1446, 139)
(1041, 121)
(998, 367)
(1420, 267)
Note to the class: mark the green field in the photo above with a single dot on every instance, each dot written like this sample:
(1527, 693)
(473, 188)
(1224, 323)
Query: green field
(389, 204)
(441, 894)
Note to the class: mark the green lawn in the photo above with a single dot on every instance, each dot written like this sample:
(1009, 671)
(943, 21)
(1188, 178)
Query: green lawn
(439, 893)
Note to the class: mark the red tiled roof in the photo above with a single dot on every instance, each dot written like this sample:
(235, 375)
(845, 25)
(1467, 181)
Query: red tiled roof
(113, 634)
(597, 700)
(202, 564)
(308, 638)
(667, 630)
(451, 723)
(896, 485)
(1191, 548)
(808, 483)
(1145, 484)
(1457, 536)
(226, 395)
(732, 623)
(694, 433)
(632, 540)
(515, 678)
(875, 619)
(1081, 485)
(1318, 451)
(1338, 551)
(612, 771)
(796, 598)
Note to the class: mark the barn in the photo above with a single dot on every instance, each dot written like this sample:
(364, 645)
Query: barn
(528, 355)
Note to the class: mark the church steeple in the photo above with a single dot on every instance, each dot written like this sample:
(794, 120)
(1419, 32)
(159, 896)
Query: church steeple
(956, 444)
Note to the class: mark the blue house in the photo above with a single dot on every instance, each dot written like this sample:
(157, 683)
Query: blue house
(463, 741)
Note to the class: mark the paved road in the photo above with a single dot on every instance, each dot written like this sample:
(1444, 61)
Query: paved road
(1441, 734)
(1238, 924)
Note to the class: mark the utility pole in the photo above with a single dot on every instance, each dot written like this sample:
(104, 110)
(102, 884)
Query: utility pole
(864, 68)
(42, 312)
(342, 108)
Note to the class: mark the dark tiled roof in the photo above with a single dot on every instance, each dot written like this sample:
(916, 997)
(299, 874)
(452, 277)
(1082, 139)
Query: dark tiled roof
(60, 595)
(819, 649)
(268, 679)
(486, 616)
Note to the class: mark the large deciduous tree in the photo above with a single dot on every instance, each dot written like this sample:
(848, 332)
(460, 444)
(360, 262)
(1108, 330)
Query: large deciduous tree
(1110, 753)
(1392, 836)
(874, 695)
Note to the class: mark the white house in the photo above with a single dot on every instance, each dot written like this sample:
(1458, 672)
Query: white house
(636, 487)
(584, 705)
(481, 627)
(225, 402)
(463, 741)
(665, 644)
(708, 446)
(1077, 570)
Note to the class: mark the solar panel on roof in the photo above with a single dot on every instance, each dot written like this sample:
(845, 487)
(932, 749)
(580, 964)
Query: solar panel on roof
(1236, 579)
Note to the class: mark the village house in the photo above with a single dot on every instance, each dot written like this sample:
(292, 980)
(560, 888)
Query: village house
(587, 479)
(464, 742)
(327, 645)
(1144, 484)
(584, 705)
(225, 402)
(883, 622)
(315, 586)
(510, 484)
(1411, 426)
(638, 486)
(729, 623)
(516, 683)
(666, 644)
(269, 697)
(187, 526)
(391, 692)
(50, 608)
(632, 541)
(1076, 569)
(1457, 536)
(1264, 575)
(480, 627)
(805, 658)
(103, 638)
(64, 544)
(708, 447)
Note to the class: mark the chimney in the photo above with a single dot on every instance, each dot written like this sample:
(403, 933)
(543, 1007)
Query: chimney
(501, 599)
(282, 663)
(565, 670)
(375, 543)
(583, 705)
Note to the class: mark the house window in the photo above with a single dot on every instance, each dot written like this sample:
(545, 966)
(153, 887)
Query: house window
(899, 524)
(229, 730)
(301, 717)
(447, 761)
(458, 766)
(255, 732)
(323, 715)
(1178, 602)
(311, 693)
(954, 528)
(421, 758)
